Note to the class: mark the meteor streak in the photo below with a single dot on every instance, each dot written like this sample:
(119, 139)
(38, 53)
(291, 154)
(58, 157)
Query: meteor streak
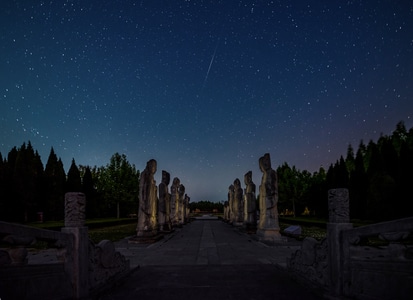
(210, 64)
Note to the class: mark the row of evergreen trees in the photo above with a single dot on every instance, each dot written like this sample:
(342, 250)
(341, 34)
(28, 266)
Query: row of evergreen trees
(378, 176)
(28, 191)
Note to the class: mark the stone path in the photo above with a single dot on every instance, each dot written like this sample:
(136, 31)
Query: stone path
(208, 260)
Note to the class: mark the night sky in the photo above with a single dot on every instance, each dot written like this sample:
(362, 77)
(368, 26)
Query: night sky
(203, 87)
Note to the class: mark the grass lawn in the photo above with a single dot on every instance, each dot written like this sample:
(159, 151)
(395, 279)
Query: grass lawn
(112, 233)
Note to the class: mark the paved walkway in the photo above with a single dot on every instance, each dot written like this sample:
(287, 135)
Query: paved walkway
(208, 260)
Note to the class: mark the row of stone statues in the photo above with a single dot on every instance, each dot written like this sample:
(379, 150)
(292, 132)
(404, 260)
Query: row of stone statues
(160, 214)
(241, 210)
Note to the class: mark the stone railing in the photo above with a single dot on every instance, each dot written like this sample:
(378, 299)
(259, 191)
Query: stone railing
(343, 265)
(384, 271)
(78, 268)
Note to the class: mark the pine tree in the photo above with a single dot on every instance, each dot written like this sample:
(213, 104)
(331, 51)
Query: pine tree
(55, 178)
(74, 182)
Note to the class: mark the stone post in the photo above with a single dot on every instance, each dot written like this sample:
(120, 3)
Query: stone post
(77, 260)
(339, 220)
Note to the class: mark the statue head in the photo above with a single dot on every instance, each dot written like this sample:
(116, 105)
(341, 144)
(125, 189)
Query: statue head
(265, 162)
(181, 189)
(151, 166)
(166, 177)
(231, 188)
(248, 178)
(237, 183)
(176, 181)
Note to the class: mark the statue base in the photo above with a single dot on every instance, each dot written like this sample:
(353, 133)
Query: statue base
(270, 236)
(145, 239)
(250, 228)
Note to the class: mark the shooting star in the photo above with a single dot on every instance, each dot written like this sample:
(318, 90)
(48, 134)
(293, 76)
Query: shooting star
(210, 65)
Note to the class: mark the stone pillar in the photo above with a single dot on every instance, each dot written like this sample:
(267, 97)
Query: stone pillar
(339, 220)
(77, 260)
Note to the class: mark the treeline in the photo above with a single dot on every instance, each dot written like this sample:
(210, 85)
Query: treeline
(29, 191)
(378, 176)
(206, 206)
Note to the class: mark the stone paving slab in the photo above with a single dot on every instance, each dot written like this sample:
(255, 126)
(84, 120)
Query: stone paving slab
(208, 259)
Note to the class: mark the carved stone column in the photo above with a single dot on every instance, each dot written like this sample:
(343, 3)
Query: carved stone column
(339, 220)
(77, 260)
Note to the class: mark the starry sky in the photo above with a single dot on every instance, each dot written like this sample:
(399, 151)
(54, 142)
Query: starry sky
(203, 87)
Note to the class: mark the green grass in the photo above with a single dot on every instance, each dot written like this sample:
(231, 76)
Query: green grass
(91, 223)
(112, 233)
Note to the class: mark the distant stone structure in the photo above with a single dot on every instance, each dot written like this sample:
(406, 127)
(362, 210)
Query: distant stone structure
(181, 193)
(147, 214)
(268, 227)
(186, 208)
(238, 203)
(231, 203)
(175, 201)
(164, 203)
(226, 211)
(250, 218)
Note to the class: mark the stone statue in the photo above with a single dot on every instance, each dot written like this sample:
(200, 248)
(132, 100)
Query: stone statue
(164, 203)
(238, 203)
(147, 214)
(185, 210)
(249, 205)
(226, 210)
(181, 193)
(268, 227)
(231, 203)
(174, 201)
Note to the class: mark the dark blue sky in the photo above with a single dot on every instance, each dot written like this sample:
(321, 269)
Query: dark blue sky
(203, 87)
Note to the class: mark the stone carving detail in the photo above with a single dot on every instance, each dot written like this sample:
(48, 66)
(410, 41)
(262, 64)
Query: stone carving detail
(75, 209)
(311, 262)
(268, 227)
(249, 202)
(105, 263)
(17, 253)
(164, 204)
(175, 200)
(338, 206)
(147, 215)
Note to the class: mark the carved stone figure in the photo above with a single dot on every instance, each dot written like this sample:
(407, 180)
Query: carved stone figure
(237, 205)
(249, 204)
(164, 203)
(181, 193)
(231, 203)
(268, 227)
(175, 201)
(226, 211)
(186, 207)
(147, 214)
